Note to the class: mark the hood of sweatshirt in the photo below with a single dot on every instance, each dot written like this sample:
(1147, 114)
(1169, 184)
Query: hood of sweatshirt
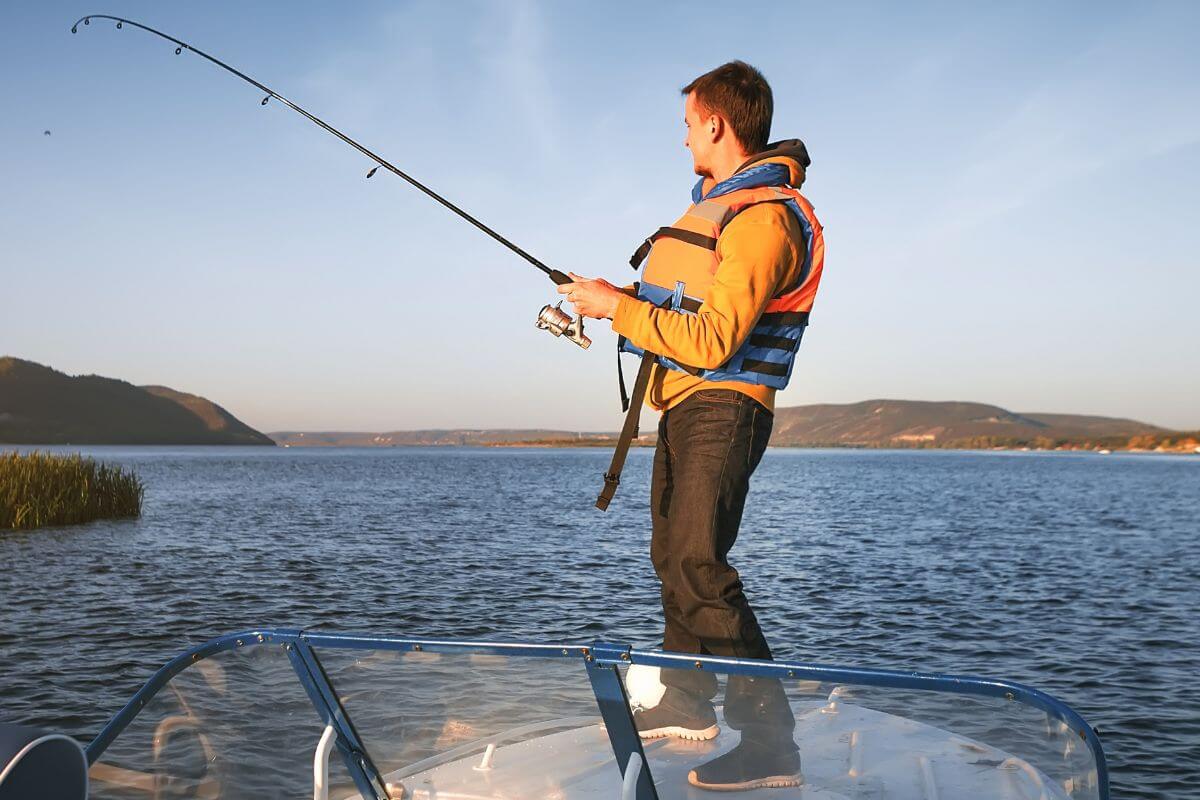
(791, 154)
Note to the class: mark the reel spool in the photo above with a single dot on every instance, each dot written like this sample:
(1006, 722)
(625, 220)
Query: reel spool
(558, 322)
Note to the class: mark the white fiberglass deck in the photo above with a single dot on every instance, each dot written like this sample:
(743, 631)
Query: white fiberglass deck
(848, 751)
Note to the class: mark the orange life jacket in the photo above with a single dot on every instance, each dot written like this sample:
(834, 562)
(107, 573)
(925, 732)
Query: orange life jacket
(683, 260)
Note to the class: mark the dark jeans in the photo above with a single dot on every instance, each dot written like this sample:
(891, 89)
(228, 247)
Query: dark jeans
(708, 447)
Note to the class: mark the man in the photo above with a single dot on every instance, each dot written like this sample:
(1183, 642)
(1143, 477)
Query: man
(723, 302)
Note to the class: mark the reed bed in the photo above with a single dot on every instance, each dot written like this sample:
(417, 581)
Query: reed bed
(39, 489)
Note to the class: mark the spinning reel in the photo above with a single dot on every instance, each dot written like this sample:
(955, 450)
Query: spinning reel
(558, 322)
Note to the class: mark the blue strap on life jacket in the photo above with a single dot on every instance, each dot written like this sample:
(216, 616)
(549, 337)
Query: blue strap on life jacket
(762, 175)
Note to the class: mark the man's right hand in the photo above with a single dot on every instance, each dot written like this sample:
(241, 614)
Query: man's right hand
(594, 298)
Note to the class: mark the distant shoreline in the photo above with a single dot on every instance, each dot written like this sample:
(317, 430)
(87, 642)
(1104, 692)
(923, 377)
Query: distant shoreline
(1097, 450)
(888, 424)
(564, 444)
(650, 442)
(41, 406)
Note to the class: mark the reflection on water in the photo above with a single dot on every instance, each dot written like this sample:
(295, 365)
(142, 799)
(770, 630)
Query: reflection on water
(1075, 573)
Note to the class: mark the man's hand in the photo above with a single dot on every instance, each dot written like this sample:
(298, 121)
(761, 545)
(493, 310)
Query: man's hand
(594, 298)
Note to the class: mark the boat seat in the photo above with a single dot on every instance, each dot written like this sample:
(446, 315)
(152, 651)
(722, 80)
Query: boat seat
(41, 764)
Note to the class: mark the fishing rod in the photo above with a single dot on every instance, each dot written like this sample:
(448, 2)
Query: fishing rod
(550, 318)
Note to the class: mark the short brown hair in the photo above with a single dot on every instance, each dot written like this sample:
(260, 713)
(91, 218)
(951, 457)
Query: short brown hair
(740, 94)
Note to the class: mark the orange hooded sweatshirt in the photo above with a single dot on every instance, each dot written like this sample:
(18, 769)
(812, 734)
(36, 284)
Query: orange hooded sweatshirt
(760, 254)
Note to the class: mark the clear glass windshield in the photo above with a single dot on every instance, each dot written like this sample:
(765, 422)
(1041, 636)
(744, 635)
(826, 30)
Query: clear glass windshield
(860, 741)
(474, 725)
(237, 724)
(468, 723)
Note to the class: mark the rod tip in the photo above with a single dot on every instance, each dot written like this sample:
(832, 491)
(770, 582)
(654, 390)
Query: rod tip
(74, 29)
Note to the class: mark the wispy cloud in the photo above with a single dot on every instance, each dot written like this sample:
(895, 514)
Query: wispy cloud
(513, 45)
(411, 63)
(1102, 112)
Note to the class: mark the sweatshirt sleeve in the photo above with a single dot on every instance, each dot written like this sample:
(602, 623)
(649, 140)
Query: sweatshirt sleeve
(757, 256)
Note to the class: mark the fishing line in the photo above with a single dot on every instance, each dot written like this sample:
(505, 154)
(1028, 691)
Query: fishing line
(550, 318)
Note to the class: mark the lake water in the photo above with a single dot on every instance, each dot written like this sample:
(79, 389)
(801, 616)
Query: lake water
(1078, 574)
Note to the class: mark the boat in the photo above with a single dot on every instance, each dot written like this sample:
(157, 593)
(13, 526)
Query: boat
(288, 713)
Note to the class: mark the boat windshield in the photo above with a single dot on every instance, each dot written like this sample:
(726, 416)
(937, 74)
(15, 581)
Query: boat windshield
(290, 714)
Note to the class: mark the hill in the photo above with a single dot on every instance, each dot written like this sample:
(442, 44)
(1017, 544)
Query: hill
(916, 423)
(39, 405)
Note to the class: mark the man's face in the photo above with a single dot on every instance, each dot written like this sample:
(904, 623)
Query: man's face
(701, 132)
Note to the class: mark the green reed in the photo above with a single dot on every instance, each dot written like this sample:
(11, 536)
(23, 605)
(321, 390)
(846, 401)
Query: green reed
(39, 489)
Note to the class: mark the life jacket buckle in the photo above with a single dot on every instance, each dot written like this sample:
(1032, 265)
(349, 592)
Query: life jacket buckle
(677, 295)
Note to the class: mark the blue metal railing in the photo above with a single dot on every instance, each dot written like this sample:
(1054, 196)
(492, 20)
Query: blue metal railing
(601, 662)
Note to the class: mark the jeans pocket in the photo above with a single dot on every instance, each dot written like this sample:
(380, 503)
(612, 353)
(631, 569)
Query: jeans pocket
(727, 396)
(762, 422)
(754, 440)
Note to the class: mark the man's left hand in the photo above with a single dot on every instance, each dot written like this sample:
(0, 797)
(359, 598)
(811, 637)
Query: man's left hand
(595, 298)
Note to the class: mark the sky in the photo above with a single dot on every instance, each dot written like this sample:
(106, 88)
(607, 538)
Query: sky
(1008, 193)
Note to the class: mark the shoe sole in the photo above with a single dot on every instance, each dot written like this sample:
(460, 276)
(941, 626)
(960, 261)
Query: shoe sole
(771, 782)
(702, 735)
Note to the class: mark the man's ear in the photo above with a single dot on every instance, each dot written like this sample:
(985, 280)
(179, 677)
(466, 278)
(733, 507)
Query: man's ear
(717, 127)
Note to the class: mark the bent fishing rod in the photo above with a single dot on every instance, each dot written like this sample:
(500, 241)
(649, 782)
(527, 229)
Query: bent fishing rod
(550, 318)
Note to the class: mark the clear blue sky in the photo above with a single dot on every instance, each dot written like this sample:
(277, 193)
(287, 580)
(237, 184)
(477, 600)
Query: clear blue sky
(1009, 193)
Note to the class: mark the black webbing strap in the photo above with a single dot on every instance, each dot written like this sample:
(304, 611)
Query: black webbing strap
(765, 367)
(629, 431)
(691, 237)
(621, 375)
(777, 318)
(773, 342)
